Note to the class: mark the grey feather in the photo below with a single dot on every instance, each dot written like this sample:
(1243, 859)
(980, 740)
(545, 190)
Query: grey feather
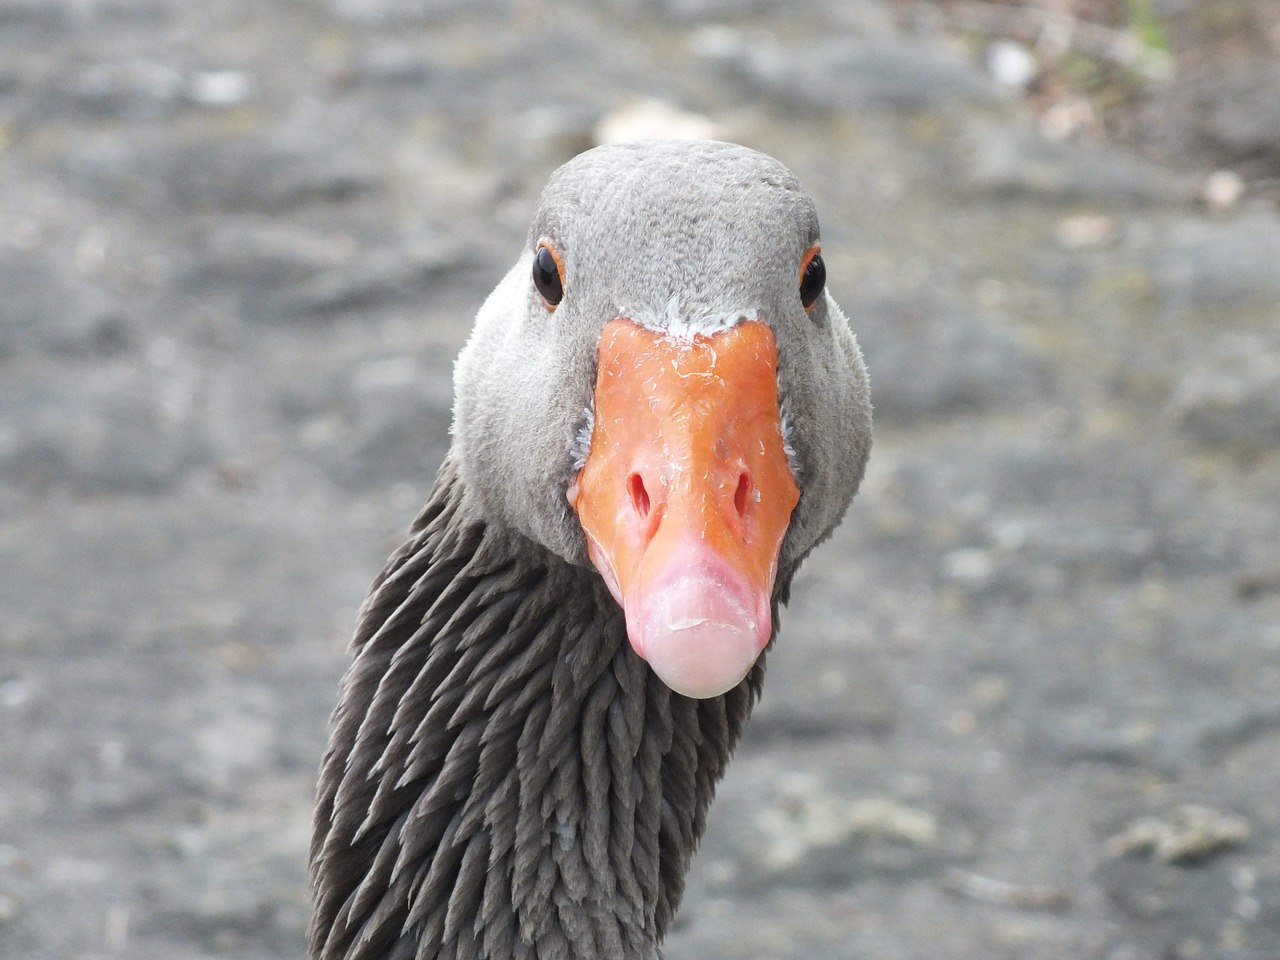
(715, 227)
(505, 777)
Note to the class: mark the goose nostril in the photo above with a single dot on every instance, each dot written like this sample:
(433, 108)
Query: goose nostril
(639, 495)
(742, 495)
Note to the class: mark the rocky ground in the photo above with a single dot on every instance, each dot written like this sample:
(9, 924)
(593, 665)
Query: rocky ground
(1025, 704)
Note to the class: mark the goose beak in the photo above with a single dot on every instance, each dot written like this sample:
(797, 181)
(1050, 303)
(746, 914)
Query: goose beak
(686, 494)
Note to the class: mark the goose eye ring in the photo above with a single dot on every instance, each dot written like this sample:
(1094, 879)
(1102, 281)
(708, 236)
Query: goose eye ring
(813, 277)
(548, 274)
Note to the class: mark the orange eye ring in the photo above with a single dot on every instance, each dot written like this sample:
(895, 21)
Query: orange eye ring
(548, 274)
(813, 276)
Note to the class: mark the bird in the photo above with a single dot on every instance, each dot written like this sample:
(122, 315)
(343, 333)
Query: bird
(660, 411)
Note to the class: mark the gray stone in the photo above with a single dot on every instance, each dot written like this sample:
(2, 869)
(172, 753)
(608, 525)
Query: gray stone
(821, 685)
(404, 274)
(687, 11)
(251, 175)
(1013, 160)
(237, 884)
(1230, 396)
(19, 18)
(386, 421)
(931, 359)
(41, 312)
(274, 272)
(35, 298)
(129, 88)
(1161, 900)
(1197, 263)
(1031, 519)
(102, 433)
(1242, 113)
(395, 62)
(255, 253)
(256, 175)
(382, 12)
(859, 71)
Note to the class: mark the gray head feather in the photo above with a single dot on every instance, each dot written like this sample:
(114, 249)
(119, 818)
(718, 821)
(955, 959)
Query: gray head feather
(691, 233)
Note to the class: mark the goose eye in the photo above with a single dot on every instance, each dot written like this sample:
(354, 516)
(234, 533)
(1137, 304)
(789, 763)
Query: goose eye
(548, 275)
(813, 277)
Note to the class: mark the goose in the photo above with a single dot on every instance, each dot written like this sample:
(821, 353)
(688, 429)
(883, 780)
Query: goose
(659, 413)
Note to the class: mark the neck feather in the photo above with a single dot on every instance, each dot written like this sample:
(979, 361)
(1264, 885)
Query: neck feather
(505, 777)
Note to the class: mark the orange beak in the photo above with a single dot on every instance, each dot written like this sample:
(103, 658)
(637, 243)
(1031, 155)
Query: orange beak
(686, 495)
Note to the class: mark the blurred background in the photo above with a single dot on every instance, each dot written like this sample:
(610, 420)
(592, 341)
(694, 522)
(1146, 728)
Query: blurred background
(1025, 704)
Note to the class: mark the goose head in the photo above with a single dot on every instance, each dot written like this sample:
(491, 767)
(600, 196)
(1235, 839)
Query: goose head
(691, 410)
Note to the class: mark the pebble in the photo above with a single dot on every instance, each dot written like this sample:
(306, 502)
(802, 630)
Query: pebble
(1086, 231)
(218, 89)
(989, 890)
(1190, 833)
(655, 120)
(973, 566)
(1222, 191)
(805, 818)
(1011, 64)
(1069, 117)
